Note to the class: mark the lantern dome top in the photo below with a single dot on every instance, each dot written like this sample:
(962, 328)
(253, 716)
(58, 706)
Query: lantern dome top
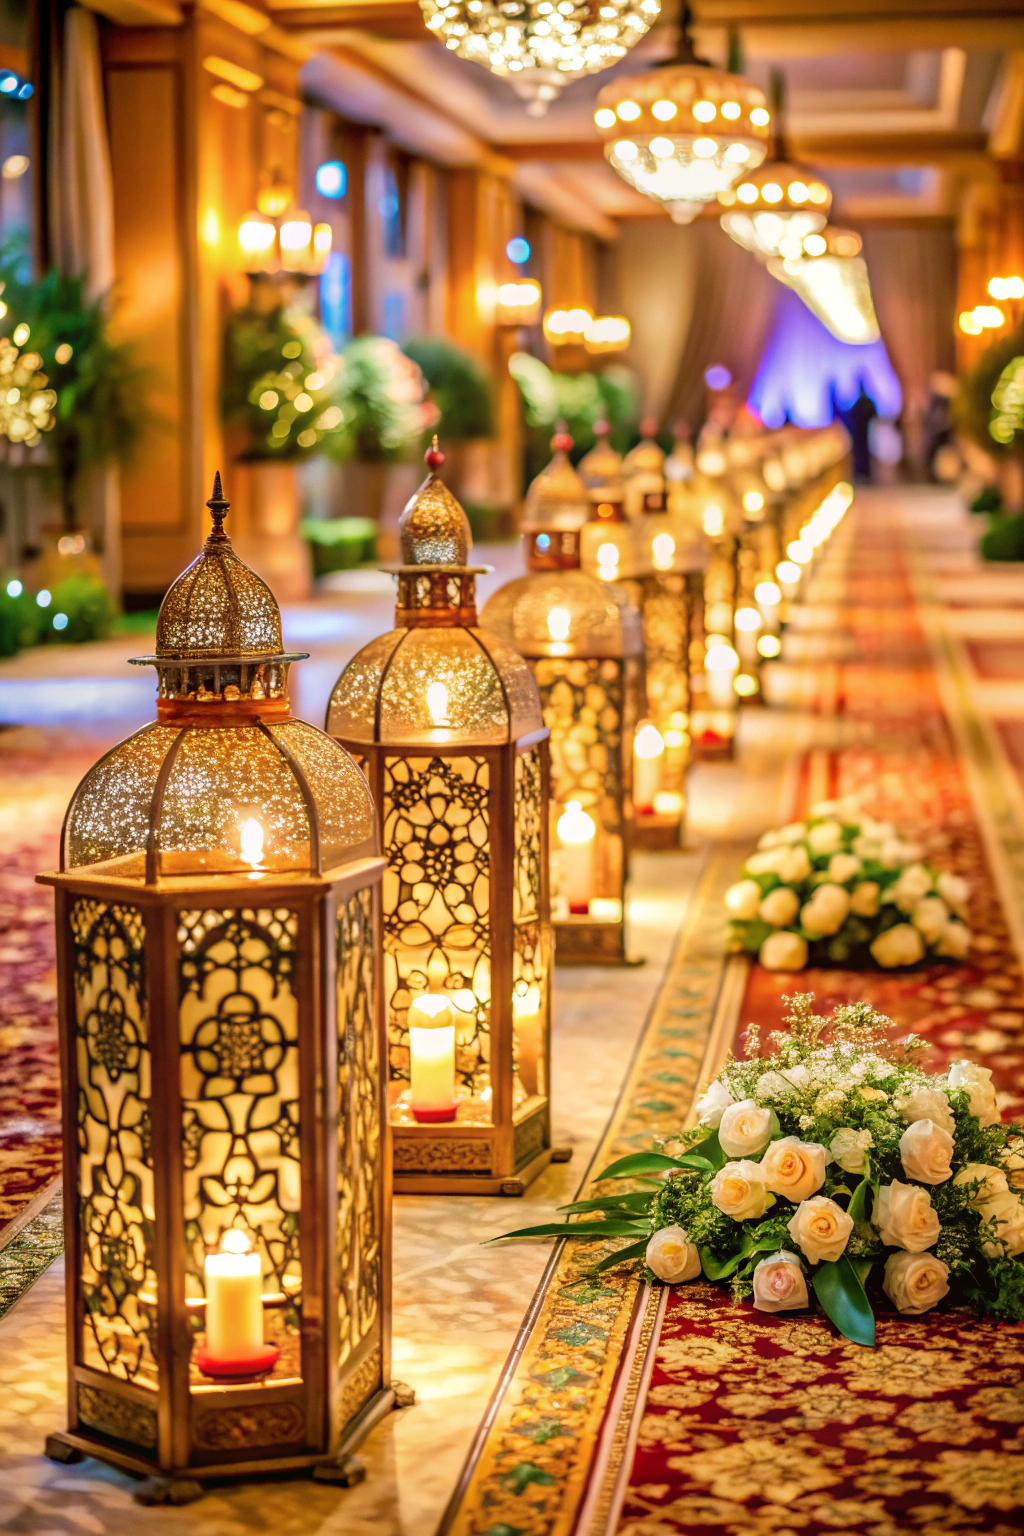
(601, 468)
(433, 529)
(557, 498)
(647, 457)
(565, 613)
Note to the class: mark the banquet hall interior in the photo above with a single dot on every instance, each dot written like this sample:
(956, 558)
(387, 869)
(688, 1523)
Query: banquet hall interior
(511, 767)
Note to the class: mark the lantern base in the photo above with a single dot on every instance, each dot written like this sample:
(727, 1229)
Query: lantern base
(256, 1363)
(435, 1116)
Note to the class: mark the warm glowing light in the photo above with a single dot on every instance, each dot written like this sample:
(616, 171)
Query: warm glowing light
(567, 327)
(607, 333)
(664, 111)
(988, 316)
(628, 111)
(721, 658)
(799, 552)
(769, 646)
(760, 118)
(559, 620)
(746, 685)
(767, 594)
(663, 549)
(732, 110)
(607, 556)
(815, 245)
(747, 619)
(251, 842)
(771, 192)
(747, 193)
(574, 825)
(20, 334)
(713, 521)
(753, 501)
(649, 741)
(626, 151)
(705, 111)
(296, 233)
(705, 148)
(662, 148)
(256, 235)
(787, 571)
(968, 324)
(605, 117)
(431, 1026)
(63, 353)
(323, 239)
(437, 702)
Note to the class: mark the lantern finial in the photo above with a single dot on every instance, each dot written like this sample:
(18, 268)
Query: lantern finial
(433, 529)
(557, 498)
(434, 456)
(218, 505)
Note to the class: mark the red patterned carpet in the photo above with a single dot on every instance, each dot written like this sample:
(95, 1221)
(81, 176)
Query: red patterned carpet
(38, 772)
(775, 1425)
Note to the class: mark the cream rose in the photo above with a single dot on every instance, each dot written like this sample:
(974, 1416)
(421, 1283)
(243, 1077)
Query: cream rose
(926, 1151)
(930, 917)
(914, 1282)
(672, 1256)
(792, 832)
(1008, 1214)
(913, 885)
(795, 865)
(743, 900)
(798, 1075)
(794, 1168)
(783, 952)
(739, 1190)
(843, 867)
(780, 1284)
(991, 1181)
(780, 907)
(1012, 1159)
(826, 837)
(849, 1148)
(954, 942)
(820, 1228)
(713, 1103)
(826, 911)
(745, 1128)
(978, 1083)
(926, 1104)
(902, 945)
(905, 1217)
(954, 890)
(895, 853)
(768, 840)
(767, 863)
(865, 898)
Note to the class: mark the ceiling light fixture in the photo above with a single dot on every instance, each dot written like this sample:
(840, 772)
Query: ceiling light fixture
(778, 204)
(831, 276)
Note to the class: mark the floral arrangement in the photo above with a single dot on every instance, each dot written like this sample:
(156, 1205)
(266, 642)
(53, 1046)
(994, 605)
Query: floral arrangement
(844, 889)
(833, 1164)
(282, 383)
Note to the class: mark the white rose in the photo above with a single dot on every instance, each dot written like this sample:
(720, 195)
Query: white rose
(895, 853)
(743, 900)
(867, 848)
(978, 1083)
(849, 1148)
(843, 867)
(1012, 1159)
(914, 1282)
(739, 1190)
(773, 1085)
(1008, 1214)
(954, 890)
(794, 866)
(767, 863)
(672, 1256)
(745, 1128)
(820, 1228)
(798, 1075)
(879, 830)
(793, 832)
(847, 808)
(929, 917)
(780, 906)
(783, 952)
(768, 840)
(926, 1104)
(912, 886)
(902, 945)
(826, 837)
(794, 1168)
(927, 1152)
(954, 941)
(780, 1284)
(864, 901)
(905, 1217)
(991, 1181)
(826, 911)
(712, 1104)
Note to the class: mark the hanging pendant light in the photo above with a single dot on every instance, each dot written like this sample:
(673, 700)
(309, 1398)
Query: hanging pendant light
(684, 131)
(831, 276)
(771, 210)
(539, 46)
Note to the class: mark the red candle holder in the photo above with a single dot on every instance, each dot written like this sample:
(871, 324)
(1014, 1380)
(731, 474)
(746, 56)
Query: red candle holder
(255, 1362)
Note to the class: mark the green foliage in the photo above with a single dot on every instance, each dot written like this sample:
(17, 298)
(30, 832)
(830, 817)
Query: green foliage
(22, 621)
(578, 399)
(1004, 539)
(973, 410)
(458, 387)
(85, 601)
(340, 543)
(385, 414)
(842, 1296)
(988, 499)
(275, 361)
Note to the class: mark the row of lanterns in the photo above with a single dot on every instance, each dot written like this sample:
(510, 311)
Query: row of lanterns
(297, 966)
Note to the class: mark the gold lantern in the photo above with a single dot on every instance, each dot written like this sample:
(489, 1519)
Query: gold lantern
(447, 721)
(227, 1170)
(583, 641)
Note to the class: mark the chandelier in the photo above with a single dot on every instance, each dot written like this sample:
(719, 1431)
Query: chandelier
(831, 276)
(539, 46)
(780, 202)
(684, 132)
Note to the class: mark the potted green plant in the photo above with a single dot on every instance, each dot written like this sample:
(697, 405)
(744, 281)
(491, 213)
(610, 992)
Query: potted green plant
(463, 395)
(580, 400)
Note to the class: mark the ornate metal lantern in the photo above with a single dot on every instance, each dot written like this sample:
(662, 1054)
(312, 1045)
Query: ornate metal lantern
(227, 1160)
(447, 721)
(583, 641)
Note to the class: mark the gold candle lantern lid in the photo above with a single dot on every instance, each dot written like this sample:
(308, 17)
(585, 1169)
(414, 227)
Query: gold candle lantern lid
(557, 498)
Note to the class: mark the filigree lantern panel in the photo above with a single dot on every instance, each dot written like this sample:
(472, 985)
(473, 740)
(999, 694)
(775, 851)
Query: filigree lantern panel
(531, 959)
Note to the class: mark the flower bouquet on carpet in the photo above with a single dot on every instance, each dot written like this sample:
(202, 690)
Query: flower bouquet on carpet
(843, 889)
(835, 1166)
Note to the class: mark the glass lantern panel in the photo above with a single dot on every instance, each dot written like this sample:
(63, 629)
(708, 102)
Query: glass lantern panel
(342, 797)
(436, 896)
(352, 711)
(529, 960)
(115, 1157)
(358, 1255)
(720, 588)
(239, 1039)
(566, 613)
(665, 610)
(109, 816)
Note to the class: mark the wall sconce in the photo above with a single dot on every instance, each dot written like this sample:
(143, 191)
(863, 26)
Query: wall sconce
(519, 303)
(278, 237)
(607, 333)
(567, 327)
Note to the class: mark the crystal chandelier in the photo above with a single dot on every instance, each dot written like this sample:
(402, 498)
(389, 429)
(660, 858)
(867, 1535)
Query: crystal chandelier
(539, 46)
(831, 276)
(683, 132)
(780, 202)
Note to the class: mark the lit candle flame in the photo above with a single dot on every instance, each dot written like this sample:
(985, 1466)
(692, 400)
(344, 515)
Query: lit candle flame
(663, 548)
(437, 702)
(559, 620)
(234, 1241)
(574, 825)
(714, 521)
(649, 741)
(251, 840)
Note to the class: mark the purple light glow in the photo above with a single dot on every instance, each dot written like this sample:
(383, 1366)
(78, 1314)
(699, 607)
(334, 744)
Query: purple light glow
(804, 371)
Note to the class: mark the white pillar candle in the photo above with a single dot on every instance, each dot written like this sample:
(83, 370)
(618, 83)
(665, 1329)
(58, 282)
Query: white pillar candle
(648, 757)
(234, 1302)
(576, 831)
(432, 1059)
(526, 1015)
(720, 667)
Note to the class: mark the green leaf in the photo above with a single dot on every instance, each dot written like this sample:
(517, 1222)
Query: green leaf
(581, 1229)
(526, 1473)
(638, 1162)
(702, 1165)
(633, 1251)
(862, 1268)
(843, 1298)
(637, 1202)
(715, 1269)
(857, 1208)
(711, 1148)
